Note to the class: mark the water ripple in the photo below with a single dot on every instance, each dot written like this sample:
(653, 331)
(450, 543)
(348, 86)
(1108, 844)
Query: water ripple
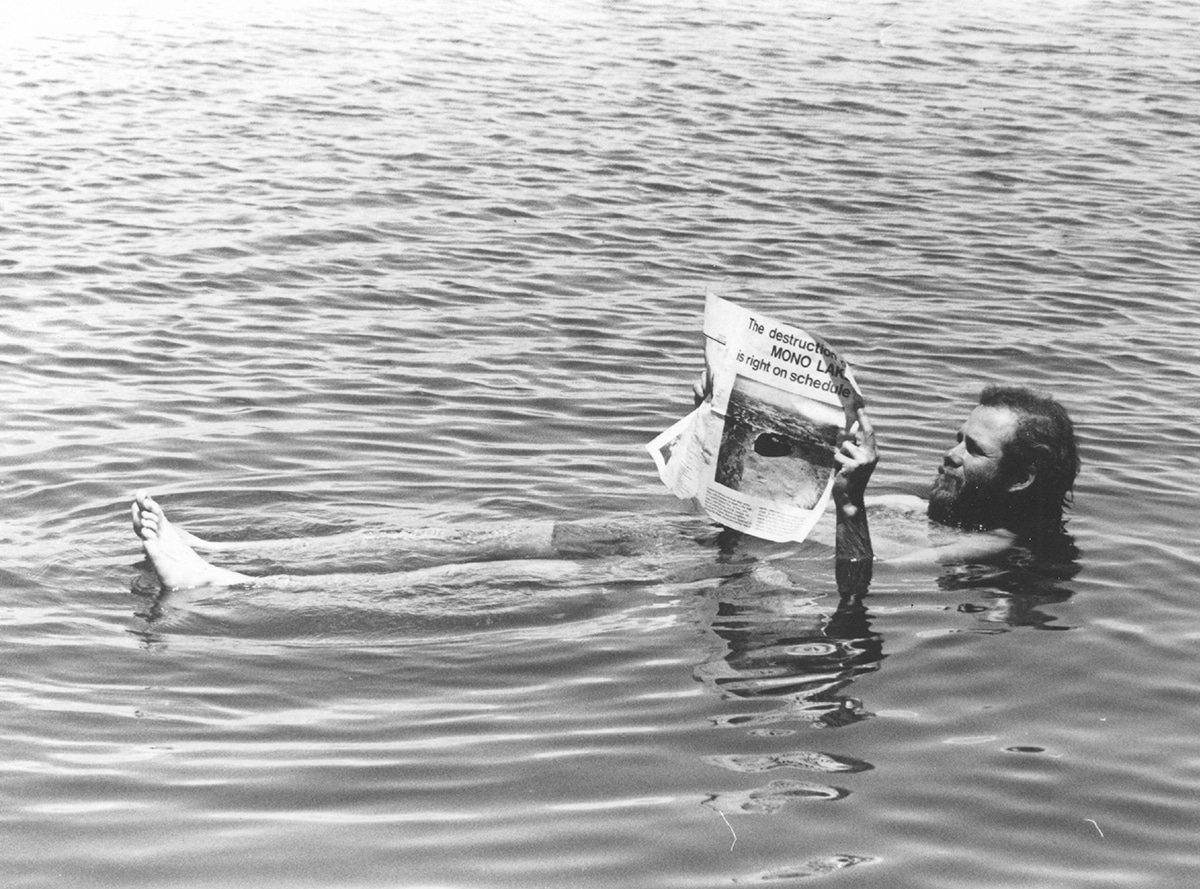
(305, 270)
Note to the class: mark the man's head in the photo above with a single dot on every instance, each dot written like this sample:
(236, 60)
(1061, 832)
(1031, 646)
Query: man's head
(1013, 465)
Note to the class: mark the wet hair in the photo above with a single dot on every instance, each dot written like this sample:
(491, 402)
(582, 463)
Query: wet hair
(1045, 441)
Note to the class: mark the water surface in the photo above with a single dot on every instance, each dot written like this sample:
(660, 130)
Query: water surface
(310, 268)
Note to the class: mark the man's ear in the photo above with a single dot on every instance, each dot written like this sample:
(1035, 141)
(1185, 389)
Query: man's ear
(1023, 479)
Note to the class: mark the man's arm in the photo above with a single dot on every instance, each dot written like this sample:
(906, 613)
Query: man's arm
(856, 460)
(970, 546)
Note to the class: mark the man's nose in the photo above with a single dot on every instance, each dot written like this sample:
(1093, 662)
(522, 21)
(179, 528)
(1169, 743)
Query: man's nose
(954, 456)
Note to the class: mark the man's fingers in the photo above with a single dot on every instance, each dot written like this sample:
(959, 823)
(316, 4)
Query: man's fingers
(849, 453)
(864, 424)
(866, 432)
(702, 388)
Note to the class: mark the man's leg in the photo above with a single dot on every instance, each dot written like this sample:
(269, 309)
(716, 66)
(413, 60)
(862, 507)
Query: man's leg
(172, 550)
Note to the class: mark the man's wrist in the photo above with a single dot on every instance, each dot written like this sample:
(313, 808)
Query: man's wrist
(850, 507)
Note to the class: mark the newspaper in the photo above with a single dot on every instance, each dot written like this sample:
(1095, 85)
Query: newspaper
(757, 454)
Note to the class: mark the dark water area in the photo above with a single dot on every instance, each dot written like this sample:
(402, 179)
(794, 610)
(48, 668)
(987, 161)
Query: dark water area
(303, 269)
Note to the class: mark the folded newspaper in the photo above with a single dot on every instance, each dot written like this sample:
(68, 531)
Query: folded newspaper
(758, 453)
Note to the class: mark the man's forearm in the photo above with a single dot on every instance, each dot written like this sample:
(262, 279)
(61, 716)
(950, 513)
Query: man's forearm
(855, 557)
(853, 533)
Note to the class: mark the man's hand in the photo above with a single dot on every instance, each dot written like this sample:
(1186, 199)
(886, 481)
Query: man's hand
(702, 388)
(856, 460)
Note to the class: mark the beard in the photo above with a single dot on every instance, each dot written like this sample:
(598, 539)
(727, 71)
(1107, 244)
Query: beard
(961, 504)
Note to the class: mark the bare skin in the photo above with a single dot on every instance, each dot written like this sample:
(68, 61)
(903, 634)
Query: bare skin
(975, 457)
(170, 552)
(856, 460)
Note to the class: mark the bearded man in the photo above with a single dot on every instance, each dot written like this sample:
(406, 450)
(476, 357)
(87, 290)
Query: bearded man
(1007, 479)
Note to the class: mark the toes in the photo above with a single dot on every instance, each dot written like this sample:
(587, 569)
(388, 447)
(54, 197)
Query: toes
(148, 518)
(146, 503)
(147, 506)
(148, 529)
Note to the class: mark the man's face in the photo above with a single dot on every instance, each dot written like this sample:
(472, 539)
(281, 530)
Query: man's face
(970, 490)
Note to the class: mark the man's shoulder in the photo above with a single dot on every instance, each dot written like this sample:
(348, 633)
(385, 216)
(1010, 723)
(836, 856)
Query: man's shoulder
(906, 535)
(898, 502)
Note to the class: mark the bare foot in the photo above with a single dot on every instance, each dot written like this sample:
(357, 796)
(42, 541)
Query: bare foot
(175, 562)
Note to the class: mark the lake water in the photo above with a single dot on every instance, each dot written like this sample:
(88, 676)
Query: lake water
(310, 268)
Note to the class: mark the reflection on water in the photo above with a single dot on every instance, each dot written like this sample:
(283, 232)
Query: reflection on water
(1018, 586)
(790, 653)
(800, 648)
